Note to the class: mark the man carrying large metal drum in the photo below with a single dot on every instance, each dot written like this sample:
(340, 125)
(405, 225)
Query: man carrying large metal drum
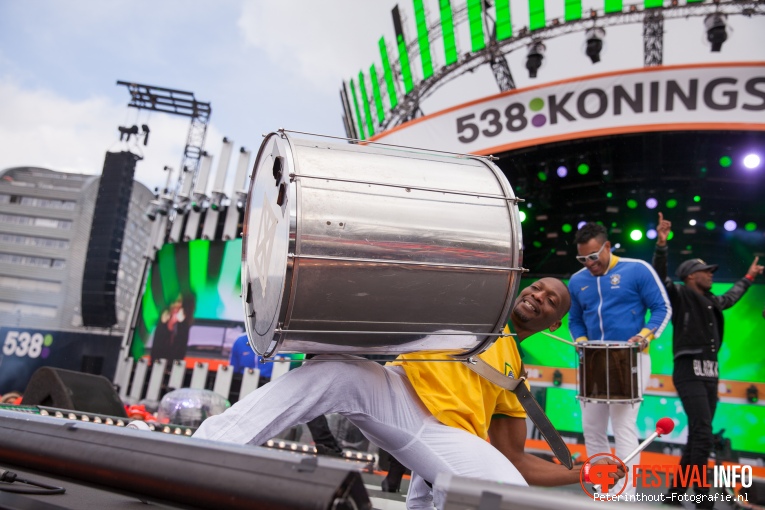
(696, 340)
(433, 416)
(609, 300)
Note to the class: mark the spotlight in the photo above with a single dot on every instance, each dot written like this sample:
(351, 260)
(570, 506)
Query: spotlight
(580, 224)
(730, 225)
(692, 223)
(752, 395)
(562, 171)
(716, 33)
(594, 37)
(158, 207)
(752, 161)
(651, 234)
(200, 205)
(651, 203)
(535, 57)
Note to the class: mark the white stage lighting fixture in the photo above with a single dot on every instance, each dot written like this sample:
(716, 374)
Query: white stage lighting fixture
(716, 30)
(535, 57)
(594, 37)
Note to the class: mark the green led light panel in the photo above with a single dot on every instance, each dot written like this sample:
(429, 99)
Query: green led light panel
(536, 14)
(447, 30)
(477, 42)
(358, 112)
(573, 10)
(504, 24)
(377, 95)
(367, 108)
(406, 71)
(613, 6)
(388, 73)
(650, 4)
(422, 39)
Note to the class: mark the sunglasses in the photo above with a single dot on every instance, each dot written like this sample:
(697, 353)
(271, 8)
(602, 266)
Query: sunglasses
(592, 257)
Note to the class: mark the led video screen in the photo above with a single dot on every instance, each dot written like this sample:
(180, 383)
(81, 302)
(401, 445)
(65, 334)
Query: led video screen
(191, 304)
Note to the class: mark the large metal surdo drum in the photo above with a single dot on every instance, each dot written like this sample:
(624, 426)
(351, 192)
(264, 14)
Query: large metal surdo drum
(353, 249)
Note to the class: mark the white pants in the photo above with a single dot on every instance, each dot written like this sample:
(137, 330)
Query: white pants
(595, 417)
(380, 401)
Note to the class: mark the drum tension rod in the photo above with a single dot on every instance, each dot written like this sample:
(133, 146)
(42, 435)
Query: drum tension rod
(406, 263)
(293, 175)
(490, 157)
(279, 331)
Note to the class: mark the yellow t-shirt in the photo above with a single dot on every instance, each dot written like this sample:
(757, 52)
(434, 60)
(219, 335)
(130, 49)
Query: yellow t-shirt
(459, 397)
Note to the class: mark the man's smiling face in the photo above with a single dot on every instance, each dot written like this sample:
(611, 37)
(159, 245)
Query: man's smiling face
(541, 305)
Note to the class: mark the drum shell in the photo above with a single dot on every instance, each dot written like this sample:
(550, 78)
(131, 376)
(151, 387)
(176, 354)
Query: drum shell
(608, 372)
(369, 259)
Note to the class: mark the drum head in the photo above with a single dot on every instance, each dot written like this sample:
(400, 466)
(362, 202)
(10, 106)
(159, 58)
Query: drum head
(265, 250)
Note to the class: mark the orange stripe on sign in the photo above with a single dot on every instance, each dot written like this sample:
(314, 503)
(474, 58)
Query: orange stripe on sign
(646, 128)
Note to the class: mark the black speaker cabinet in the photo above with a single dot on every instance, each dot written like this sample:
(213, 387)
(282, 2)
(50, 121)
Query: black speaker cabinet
(99, 282)
(76, 391)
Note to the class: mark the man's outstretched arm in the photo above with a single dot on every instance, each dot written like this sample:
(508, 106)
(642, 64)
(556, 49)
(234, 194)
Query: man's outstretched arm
(508, 435)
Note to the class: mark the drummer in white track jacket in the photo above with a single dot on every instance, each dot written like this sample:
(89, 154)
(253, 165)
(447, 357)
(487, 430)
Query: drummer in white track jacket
(609, 300)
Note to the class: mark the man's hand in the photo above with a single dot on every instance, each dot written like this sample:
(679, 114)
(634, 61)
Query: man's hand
(641, 341)
(662, 230)
(754, 269)
(616, 476)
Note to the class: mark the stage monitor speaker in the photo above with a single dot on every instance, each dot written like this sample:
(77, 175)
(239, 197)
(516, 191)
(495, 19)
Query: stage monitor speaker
(99, 282)
(179, 472)
(75, 391)
(462, 493)
(755, 495)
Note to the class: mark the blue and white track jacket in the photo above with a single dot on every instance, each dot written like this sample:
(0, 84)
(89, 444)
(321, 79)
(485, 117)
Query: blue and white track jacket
(613, 306)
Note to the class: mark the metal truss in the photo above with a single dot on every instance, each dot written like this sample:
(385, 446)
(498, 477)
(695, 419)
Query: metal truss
(653, 38)
(176, 102)
(468, 62)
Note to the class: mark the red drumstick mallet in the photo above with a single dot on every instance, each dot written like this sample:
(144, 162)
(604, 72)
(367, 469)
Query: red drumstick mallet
(663, 426)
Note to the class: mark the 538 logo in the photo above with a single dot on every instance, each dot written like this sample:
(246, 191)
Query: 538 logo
(26, 344)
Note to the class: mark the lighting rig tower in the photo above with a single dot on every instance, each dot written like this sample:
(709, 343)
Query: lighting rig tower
(172, 204)
(177, 102)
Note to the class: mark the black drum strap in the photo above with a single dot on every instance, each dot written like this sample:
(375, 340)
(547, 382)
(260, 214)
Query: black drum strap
(532, 408)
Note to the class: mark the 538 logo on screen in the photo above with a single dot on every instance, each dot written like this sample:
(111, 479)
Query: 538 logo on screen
(27, 344)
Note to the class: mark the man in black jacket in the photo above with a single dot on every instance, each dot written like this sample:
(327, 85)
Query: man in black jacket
(697, 323)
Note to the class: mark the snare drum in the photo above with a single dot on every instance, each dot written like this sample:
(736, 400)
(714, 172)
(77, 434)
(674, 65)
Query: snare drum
(351, 249)
(609, 372)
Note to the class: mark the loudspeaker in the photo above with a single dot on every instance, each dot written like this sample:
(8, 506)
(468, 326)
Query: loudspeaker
(180, 472)
(99, 282)
(756, 493)
(76, 391)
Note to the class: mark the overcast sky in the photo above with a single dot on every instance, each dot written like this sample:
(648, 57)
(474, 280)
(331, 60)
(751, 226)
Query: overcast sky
(262, 64)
